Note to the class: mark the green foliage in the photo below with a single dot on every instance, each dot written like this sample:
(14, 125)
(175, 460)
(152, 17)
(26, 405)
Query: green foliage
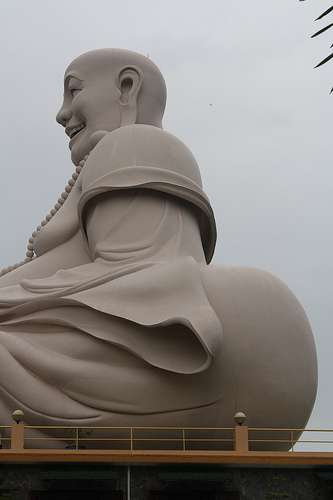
(323, 30)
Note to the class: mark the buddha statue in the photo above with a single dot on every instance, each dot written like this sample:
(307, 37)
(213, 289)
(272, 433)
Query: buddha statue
(117, 317)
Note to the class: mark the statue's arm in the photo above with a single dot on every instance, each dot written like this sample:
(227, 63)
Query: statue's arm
(108, 227)
(64, 256)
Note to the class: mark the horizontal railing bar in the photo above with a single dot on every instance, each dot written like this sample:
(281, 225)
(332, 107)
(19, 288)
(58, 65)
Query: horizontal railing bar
(128, 439)
(71, 427)
(186, 428)
(272, 441)
(188, 440)
(288, 441)
(27, 438)
(129, 428)
(287, 429)
(317, 430)
(310, 441)
(74, 439)
(277, 429)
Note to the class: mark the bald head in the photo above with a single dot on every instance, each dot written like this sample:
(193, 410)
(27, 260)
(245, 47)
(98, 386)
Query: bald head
(106, 89)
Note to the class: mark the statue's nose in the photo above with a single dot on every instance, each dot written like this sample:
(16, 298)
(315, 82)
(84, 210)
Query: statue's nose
(64, 115)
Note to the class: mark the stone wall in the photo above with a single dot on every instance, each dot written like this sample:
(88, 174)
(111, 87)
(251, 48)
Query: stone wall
(163, 482)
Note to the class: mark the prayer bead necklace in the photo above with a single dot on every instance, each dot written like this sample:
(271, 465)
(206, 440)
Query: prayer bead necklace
(30, 253)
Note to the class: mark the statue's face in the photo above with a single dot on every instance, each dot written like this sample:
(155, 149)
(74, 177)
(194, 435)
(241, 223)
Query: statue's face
(91, 104)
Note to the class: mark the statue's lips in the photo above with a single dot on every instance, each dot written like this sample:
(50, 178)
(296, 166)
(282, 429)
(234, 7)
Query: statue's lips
(74, 136)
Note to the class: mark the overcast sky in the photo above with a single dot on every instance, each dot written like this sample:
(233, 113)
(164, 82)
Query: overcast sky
(242, 95)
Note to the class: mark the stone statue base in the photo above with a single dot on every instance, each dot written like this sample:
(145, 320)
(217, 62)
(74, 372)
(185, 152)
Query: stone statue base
(162, 482)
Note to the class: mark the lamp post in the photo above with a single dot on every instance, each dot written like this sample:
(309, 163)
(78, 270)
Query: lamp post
(241, 432)
(17, 438)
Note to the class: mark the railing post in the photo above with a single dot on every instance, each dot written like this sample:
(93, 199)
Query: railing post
(241, 432)
(76, 438)
(131, 438)
(241, 438)
(17, 436)
(184, 440)
(292, 440)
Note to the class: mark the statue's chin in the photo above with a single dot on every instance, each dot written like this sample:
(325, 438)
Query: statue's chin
(96, 137)
(78, 152)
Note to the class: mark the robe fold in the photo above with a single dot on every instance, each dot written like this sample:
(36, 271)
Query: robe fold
(130, 333)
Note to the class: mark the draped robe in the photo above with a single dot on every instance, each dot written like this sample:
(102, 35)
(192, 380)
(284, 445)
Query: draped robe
(131, 332)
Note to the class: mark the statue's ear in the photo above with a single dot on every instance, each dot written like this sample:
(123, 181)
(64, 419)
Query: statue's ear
(130, 81)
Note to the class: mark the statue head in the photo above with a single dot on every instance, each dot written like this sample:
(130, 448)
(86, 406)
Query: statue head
(106, 89)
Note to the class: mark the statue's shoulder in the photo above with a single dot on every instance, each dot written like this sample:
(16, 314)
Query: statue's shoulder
(144, 156)
(114, 150)
(140, 145)
(135, 136)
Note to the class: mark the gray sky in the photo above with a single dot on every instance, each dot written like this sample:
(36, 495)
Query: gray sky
(263, 145)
